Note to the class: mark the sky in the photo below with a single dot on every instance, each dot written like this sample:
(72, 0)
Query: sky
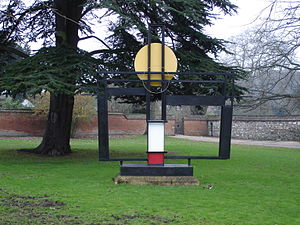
(247, 14)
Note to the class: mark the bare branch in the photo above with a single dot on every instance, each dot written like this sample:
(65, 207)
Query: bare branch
(92, 36)
(269, 53)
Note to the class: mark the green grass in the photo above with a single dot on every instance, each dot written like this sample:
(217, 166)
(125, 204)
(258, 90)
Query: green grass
(258, 185)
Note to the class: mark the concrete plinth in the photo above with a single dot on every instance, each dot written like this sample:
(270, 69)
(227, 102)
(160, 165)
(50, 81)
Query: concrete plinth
(157, 180)
(149, 174)
(156, 170)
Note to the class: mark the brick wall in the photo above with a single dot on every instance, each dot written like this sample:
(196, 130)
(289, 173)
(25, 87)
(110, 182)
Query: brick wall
(21, 123)
(25, 123)
(118, 124)
(195, 126)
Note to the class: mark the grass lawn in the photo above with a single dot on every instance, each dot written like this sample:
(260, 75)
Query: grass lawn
(258, 185)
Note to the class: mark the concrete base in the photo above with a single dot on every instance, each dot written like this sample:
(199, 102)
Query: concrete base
(156, 170)
(157, 180)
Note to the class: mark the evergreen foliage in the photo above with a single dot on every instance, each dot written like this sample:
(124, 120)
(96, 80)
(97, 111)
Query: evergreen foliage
(6, 57)
(54, 69)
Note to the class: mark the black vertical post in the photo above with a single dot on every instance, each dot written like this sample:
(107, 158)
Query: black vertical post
(225, 131)
(232, 88)
(148, 95)
(103, 138)
(224, 87)
(148, 105)
(164, 85)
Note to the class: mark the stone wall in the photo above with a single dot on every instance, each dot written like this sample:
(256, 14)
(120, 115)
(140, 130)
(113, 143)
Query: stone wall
(274, 128)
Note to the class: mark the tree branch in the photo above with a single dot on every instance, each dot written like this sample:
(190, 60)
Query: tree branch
(18, 20)
(14, 51)
(92, 36)
(90, 8)
(106, 51)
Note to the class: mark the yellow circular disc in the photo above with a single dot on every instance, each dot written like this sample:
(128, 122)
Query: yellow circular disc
(141, 63)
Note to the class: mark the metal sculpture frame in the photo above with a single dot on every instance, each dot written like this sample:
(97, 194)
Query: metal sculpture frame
(104, 92)
(220, 100)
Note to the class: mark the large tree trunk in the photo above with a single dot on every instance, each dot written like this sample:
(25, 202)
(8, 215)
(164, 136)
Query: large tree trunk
(56, 139)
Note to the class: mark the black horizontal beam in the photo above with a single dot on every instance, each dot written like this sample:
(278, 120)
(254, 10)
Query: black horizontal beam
(126, 91)
(195, 100)
(177, 73)
(123, 159)
(193, 157)
(166, 81)
(166, 157)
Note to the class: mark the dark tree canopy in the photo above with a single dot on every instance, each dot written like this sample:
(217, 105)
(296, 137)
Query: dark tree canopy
(62, 24)
(55, 69)
(10, 52)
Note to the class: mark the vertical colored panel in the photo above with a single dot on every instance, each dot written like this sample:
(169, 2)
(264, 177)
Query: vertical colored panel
(156, 136)
(155, 158)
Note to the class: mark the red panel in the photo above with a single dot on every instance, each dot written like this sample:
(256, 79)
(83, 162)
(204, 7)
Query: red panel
(155, 158)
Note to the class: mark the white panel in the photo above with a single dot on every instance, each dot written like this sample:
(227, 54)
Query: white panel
(156, 137)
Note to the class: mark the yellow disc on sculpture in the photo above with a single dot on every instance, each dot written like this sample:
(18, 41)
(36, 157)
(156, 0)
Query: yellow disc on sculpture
(141, 63)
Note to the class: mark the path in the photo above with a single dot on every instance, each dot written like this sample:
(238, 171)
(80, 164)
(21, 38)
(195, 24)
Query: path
(282, 144)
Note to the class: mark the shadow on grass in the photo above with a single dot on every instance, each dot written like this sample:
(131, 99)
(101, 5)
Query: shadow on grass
(86, 154)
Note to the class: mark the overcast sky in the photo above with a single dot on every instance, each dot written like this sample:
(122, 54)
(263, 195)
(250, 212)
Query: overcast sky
(246, 16)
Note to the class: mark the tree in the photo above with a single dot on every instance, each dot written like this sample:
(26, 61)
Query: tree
(43, 20)
(58, 22)
(268, 51)
(84, 108)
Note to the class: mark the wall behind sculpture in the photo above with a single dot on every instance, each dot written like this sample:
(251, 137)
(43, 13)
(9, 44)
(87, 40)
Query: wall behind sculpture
(287, 128)
(273, 128)
(25, 123)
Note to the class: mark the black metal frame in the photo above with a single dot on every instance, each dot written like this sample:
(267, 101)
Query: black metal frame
(102, 97)
(220, 100)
